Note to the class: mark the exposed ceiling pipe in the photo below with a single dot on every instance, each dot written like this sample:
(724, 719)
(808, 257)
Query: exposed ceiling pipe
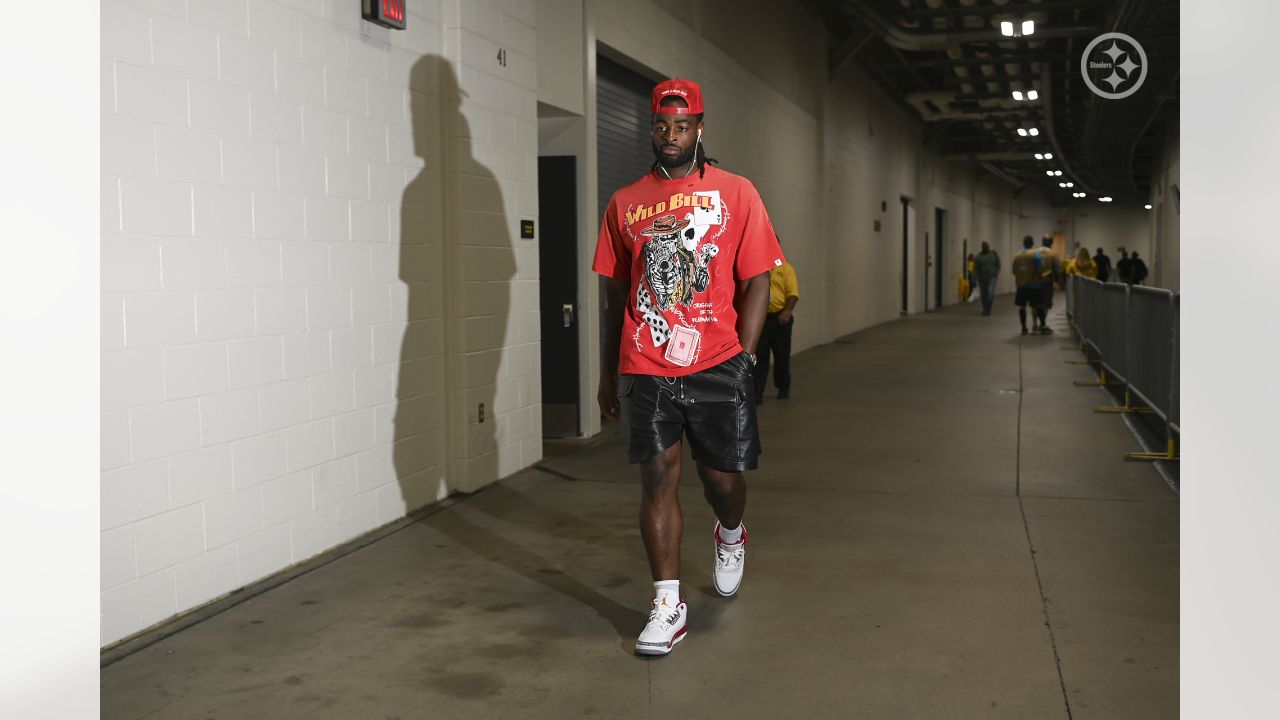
(918, 41)
(1002, 175)
(1047, 74)
(943, 100)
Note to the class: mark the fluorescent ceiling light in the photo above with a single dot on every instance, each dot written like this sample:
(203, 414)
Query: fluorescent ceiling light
(1022, 132)
(1032, 95)
(1062, 184)
(1039, 156)
(1049, 173)
(1028, 27)
(1148, 206)
(1034, 132)
(1070, 184)
(1048, 156)
(1057, 172)
(1017, 94)
(1006, 28)
(1104, 199)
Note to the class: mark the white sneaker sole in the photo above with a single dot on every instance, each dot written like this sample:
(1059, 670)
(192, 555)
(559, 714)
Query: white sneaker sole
(657, 649)
(728, 593)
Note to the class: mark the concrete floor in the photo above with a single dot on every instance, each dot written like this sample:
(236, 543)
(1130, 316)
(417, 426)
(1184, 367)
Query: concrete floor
(941, 528)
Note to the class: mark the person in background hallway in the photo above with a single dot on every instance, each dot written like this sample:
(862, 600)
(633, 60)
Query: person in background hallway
(987, 269)
(1050, 269)
(687, 292)
(784, 293)
(1026, 278)
(1082, 264)
(969, 276)
(1104, 265)
(1137, 269)
(1124, 268)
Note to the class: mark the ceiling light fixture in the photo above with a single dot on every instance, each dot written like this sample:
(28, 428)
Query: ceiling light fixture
(1006, 28)
(1022, 132)
(1028, 27)
(1148, 206)
(1057, 172)
(1017, 94)
(1039, 156)
(1105, 198)
(1049, 173)
(1070, 184)
(1048, 156)
(1034, 132)
(1062, 184)
(1032, 95)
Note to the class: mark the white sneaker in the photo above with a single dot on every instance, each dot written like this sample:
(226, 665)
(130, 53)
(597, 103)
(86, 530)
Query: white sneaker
(665, 629)
(730, 560)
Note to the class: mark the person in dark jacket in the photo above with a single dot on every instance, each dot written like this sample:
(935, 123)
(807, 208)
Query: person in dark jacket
(987, 268)
(1125, 267)
(1104, 265)
(1137, 269)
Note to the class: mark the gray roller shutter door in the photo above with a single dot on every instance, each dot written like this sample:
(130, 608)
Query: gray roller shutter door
(622, 139)
(622, 128)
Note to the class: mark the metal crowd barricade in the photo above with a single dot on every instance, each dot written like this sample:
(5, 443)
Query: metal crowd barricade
(1133, 334)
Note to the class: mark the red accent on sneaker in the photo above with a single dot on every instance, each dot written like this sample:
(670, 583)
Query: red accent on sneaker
(677, 636)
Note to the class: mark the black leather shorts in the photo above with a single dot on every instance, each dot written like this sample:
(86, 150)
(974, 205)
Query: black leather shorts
(714, 407)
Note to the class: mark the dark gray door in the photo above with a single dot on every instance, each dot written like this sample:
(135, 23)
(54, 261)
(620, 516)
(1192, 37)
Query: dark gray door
(939, 222)
(558, 294)
(906, 246)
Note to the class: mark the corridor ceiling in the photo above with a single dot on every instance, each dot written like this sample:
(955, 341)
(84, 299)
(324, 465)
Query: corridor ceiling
(950, 63)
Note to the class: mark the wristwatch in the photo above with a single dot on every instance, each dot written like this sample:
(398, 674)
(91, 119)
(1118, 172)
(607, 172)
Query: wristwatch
(753, 359)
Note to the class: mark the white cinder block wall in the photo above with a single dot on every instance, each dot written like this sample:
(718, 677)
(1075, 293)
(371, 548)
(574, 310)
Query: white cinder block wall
(311, 278)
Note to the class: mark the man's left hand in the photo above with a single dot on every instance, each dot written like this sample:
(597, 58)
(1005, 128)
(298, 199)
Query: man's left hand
(784, 317)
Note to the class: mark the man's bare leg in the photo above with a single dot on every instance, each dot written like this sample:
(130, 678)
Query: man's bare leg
(726, 492)
(661, 522)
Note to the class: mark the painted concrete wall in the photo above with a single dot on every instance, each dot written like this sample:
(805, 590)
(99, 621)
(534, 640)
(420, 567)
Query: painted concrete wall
(311, 279)
(1165, 216)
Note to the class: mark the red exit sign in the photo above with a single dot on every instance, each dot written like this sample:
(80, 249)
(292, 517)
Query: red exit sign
(387, 13)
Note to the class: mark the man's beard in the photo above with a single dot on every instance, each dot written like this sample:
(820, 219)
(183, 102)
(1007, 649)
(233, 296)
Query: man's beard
(669, 161)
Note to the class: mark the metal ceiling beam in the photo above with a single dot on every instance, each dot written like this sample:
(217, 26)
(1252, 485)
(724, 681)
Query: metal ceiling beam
(997, 60)
(992, 10)
(901, 39)
(847, 49)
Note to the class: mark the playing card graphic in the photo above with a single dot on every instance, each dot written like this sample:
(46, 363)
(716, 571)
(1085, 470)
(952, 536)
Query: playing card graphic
(683, 346)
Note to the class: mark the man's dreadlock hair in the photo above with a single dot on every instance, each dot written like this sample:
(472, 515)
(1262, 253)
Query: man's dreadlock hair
(699, 155)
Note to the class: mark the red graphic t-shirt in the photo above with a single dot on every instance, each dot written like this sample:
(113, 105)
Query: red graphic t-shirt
(681, 246)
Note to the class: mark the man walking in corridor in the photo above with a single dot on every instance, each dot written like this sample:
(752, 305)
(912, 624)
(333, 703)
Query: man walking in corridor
(687, 251)
(784, 293)
(987, 267)
(1026, 278)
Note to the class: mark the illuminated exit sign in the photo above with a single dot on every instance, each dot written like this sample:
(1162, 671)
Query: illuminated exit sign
(387, 13)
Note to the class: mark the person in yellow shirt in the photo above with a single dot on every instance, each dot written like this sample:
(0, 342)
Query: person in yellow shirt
(1082, 264)
(784, 293)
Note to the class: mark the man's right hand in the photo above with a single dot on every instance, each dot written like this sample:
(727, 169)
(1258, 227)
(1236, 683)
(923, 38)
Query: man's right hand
(608, 395)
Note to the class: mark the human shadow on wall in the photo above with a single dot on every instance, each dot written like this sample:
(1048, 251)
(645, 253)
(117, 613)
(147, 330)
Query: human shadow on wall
(457, 265)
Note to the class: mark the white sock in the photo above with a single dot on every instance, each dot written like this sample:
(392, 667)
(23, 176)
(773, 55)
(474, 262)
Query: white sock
(669, 589)
(729, 537)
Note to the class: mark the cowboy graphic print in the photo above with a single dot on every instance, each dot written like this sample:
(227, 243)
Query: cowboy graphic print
(680, 246)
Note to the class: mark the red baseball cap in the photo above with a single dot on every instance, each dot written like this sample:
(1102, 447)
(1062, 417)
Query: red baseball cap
(686, 90)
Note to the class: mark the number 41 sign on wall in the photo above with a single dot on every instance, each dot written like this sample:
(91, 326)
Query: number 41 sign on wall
(387, 13)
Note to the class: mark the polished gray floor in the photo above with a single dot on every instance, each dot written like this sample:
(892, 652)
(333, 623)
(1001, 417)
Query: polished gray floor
(941, 528)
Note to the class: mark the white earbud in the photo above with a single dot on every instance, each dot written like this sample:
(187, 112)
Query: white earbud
(699, 134)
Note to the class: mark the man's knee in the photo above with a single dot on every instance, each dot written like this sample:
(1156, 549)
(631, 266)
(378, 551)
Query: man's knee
(719, 482)
(660, 474)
